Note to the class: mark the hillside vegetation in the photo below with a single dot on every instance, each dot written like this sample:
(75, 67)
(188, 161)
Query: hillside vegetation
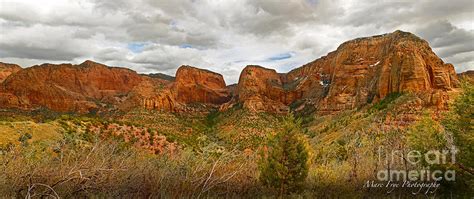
(158, 154)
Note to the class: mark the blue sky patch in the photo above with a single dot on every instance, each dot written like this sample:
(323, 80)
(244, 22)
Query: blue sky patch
(186, 46)
(136, 47)
(280, 57)
(312, 2)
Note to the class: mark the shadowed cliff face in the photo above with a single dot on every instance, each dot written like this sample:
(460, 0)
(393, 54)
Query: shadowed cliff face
(359, 72)
(264, 90)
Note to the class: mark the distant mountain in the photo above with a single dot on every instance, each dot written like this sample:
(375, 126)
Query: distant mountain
(467, 75)
(161, 76)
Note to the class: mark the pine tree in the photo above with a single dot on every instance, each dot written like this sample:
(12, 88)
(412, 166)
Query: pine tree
(286, 166)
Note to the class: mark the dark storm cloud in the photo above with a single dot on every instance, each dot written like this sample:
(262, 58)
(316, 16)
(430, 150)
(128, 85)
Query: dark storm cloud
(379, 14)
(455, 49)
(454, 44)
(444, 34)
(22, 51)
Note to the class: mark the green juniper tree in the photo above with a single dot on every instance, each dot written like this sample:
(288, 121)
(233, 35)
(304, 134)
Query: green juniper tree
(285, 168)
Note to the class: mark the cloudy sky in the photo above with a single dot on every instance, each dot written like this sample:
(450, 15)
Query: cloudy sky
(221, 35)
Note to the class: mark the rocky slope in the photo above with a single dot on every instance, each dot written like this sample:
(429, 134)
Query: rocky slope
(7, 69)
(360, 71)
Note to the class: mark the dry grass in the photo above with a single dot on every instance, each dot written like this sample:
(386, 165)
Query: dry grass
(108, 169)
(10, 132)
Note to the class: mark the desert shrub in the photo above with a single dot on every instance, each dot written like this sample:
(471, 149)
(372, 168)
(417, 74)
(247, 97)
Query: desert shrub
(24, 138)
(286, 166)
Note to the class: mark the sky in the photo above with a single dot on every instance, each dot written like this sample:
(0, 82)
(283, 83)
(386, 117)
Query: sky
(224, 36)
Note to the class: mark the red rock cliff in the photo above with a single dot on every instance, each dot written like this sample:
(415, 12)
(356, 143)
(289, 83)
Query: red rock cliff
(360, 71)
(191, 85)
(195, 85)
(93, 86)
(67, 87)
(261, 89)
(7, 69)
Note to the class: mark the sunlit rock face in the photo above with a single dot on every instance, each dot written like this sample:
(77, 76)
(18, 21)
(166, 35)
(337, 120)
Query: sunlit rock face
(92, 86)
(194, 85)
(7, 69)
(191, 86)
(67, 87)
(360, 71)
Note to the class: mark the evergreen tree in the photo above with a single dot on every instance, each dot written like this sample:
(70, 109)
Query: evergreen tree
(286, 166)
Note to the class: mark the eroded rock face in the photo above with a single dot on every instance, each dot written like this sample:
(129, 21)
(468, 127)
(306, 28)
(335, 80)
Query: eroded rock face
(195, 85)
(151, 93)
(261, 89)
(7, 69)
(368, 69)
(66, 87)
(191, 86)
(92, 86)
(360, 71)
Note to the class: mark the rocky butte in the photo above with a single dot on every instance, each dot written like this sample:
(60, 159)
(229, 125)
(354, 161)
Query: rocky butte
(358, 72)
